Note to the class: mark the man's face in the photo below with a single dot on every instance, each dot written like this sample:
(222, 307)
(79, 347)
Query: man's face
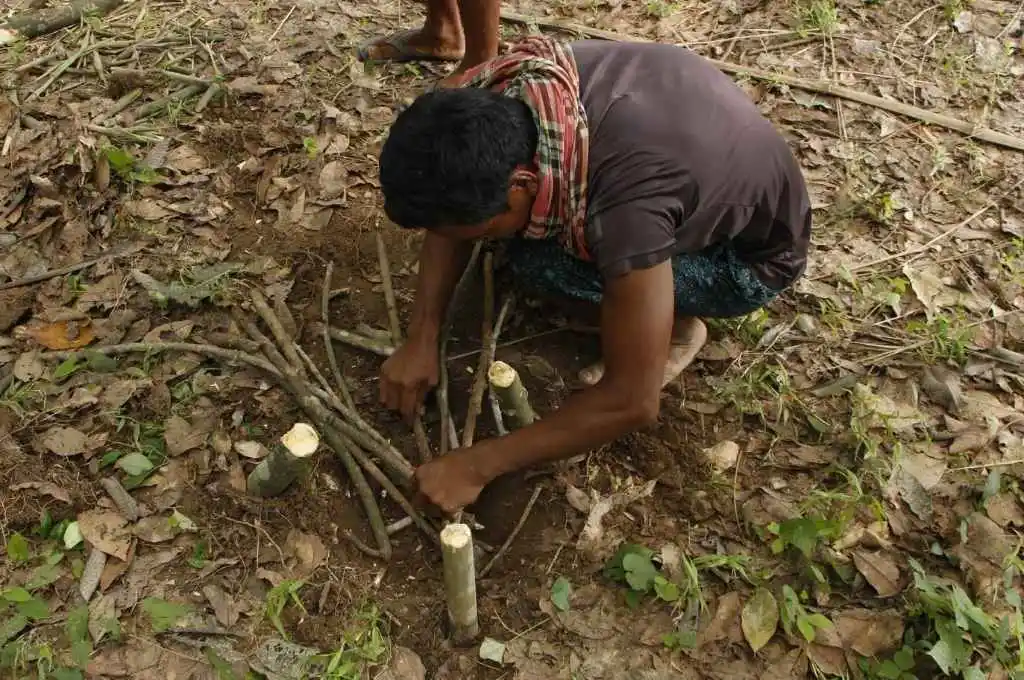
(507, 224)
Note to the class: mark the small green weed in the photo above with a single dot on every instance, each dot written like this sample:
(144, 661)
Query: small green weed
(794, 616)
(944, 338)
(659, 9)
(818, 16)
(128, 168)
(278, 598)
(363, 646)
(309, 145)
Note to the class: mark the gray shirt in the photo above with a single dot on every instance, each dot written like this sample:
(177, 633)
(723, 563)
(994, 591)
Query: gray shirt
(680, 159)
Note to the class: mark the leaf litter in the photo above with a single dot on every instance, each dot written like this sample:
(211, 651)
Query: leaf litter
(905, 336)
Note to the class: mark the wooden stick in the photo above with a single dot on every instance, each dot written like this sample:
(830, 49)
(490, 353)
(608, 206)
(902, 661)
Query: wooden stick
(822, 87)
(285, 343)
(332, 358)
(360, 341)
(511, 394)
(229, 355)
(395, 324)
(29, 25)
(515, 532)
(122, 499)
(442, 386)
(70, 269)
(499, 420)
(476, 396)
(460, 582)
(277, 471)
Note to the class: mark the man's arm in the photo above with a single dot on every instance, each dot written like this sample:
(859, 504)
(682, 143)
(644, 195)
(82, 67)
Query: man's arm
(637, 314)
(442, 261)
(413, 369)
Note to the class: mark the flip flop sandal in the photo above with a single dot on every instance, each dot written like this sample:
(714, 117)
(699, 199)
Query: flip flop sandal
(404, 52)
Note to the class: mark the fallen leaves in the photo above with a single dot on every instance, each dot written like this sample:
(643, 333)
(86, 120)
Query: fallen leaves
(880, 570)
(65, 441)
(107, 531)
(760, 618)
(46, 489)
(181, 436)
(723, 455)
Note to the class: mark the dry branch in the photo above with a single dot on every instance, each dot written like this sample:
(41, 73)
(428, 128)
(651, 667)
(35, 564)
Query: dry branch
(332, 358)
(820, 86)
(33, 24)
(448, 435)
(359, 341)
(476, 396)
(70, 269)
(515, 532)
(122, 499)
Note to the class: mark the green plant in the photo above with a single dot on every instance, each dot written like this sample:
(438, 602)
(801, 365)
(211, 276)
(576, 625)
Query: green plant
(309, 145)
(278, 598)
(943, 338)
(819, 16)
(794, 615)
(899, 667)
(363, 646)
(128, 168)
(162, 614)
(198, 558)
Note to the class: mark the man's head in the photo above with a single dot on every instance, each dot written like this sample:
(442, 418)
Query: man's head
(460, 162)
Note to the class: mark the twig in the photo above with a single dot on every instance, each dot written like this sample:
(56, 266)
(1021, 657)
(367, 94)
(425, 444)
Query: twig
(284, 341)
(395, 527)
(70, 269)
(460, 582)
(229, 355)
(822, 87)
(34, 24)
(360, 341)
(158, 105)
(476, 396)
(499, 420)
(122, 499)
(332, 358)
(511, 394)
(315, 372)
(447, 438)
(515, 531)
(395, 324)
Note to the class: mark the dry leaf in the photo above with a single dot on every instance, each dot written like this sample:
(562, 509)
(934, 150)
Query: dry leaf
(592, 541)
(726, 622)
(180, 436)
(106, 530)
(225, 608)
(975, 438)
(308, 550)
(28, 367)
(723, 455)
(927, 470)
(870, 633)
(405, 664)
(333, 178)
(252, 450)
(943, 387)
(791, 665)
(63, 335)
(880, 570)
(156, 529)
(45, 488)
(1005, 510)
(65, 441)
(103, 616)
(760, 618)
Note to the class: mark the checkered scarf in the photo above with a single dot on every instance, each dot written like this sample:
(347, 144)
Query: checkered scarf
(542, 73)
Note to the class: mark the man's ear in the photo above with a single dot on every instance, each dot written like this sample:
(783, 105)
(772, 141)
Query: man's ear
(524, 179)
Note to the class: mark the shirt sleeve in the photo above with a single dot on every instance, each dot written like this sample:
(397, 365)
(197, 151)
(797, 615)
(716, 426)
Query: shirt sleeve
(638, 234)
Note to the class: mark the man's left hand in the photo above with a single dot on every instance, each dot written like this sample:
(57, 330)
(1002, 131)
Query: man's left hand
(450, 482)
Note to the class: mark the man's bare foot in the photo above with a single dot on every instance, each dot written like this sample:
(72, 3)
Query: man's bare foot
(413, 45)
(688, 337)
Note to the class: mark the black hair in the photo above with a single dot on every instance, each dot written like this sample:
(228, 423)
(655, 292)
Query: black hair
(449, 157)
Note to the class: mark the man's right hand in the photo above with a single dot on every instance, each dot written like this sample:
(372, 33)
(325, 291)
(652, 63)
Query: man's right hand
(408, 374)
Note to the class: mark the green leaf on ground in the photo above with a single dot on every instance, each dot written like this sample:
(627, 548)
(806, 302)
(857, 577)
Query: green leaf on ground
(135, 464)
(760, 618)
(163, 614)
(639, 571)
(43, 576)
(561, 591)
(18, 548)
(72, 536)
(34, 609)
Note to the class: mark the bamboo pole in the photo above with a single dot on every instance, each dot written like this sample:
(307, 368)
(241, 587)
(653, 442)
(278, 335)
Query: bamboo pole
(512, 395)
(460, 582)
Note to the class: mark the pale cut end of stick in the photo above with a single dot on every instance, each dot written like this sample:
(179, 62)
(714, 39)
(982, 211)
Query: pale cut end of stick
(460, 582)
(501, 375)
(301, 441)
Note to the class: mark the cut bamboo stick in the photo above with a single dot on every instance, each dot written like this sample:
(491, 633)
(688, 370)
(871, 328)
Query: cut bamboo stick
(512, 395)
(460, 582)
(276, 472)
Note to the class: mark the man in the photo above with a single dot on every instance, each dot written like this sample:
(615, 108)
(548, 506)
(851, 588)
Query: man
(636, 177)
(466, 31)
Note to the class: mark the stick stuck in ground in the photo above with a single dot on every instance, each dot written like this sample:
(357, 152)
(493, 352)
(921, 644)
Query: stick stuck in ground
(460, 582)
(276, 472)
(512, 395)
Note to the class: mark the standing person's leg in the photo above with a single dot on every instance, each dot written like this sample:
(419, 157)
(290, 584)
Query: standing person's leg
(453, 30)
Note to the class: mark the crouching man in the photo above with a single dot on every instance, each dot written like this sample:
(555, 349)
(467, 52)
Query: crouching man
(635, 177)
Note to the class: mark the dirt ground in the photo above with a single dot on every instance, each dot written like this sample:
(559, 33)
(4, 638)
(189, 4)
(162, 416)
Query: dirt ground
(833, 489)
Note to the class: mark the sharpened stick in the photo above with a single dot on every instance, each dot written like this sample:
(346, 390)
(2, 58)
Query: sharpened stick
(460, 582)
(332, 358)
(511, 394)
(476, 396)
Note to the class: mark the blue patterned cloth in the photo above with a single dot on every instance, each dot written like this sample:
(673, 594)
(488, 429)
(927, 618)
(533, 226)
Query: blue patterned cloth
(713, 283)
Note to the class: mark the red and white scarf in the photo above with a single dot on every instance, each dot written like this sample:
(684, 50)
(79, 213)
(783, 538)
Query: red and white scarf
(542, 73)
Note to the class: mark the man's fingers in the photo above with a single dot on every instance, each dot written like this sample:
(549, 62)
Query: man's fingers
(410, 401)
